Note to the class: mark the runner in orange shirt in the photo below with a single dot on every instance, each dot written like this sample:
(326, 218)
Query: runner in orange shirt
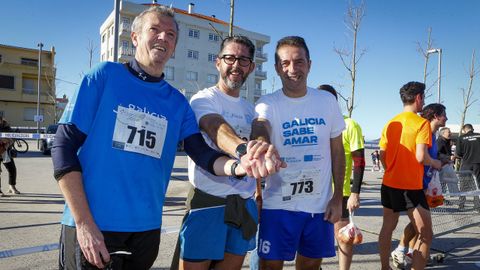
(403, 152)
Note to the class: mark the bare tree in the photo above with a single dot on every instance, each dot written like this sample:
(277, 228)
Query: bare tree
(49, 76)
(353, 20)
(424, 52)
(91, 48)
(467, 94)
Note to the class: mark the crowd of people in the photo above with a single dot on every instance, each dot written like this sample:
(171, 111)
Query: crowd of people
(121, 130)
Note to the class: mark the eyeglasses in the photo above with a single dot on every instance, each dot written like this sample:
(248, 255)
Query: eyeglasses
(231, 59)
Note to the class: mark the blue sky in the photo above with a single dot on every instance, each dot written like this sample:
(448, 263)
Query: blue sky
(389, 32)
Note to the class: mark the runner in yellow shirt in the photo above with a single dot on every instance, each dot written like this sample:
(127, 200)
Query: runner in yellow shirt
(354, 155)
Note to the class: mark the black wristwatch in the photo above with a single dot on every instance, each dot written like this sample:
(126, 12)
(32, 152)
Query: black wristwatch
(241, 150)
(232, 170)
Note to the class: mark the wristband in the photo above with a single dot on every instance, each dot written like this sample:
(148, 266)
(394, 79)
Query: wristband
(232, 169)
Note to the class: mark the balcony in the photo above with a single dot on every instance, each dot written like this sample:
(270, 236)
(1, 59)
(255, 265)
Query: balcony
(125, 52)
(125, 27)
(261, 74)
(261, 56)
(259, 92)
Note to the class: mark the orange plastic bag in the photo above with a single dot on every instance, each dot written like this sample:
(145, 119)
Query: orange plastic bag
(350, 234)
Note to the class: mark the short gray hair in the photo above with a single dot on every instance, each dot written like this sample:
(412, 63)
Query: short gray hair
(443, 129)
(160, 10)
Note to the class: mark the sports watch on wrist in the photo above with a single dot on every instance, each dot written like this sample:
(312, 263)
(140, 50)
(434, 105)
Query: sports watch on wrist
(241, 150)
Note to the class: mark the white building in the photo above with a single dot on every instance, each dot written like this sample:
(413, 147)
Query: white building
(192, 66)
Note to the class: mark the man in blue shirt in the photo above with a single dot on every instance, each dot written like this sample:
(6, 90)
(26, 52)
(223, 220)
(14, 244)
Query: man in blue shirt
(115, 148)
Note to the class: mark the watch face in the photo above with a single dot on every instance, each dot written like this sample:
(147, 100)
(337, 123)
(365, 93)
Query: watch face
(241, 150)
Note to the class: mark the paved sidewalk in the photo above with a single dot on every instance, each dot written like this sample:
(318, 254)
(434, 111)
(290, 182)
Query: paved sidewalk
(31, 219)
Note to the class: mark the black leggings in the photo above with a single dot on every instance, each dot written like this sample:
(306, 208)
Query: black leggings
(12, 172)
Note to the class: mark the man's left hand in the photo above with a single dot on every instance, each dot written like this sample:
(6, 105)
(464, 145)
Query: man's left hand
(353, 202)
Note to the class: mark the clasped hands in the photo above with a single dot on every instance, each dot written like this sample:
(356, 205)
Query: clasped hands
(262, 159)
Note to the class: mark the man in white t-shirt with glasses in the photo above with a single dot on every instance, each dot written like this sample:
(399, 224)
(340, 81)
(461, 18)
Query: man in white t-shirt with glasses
(226, 202)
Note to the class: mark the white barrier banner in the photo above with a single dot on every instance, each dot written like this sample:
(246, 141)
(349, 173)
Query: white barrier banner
(33, 136)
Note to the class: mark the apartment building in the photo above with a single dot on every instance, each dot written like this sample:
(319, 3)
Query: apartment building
(192, 66)
(19, 86)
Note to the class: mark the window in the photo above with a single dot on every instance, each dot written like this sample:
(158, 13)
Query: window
(192, 76)
(7, 82)
(258, 86)
(192, 54)
(29, 85)
(103, 37)
(126, 20)
(103, 57)
(213, 37)
(2, 113)
(259, 67)
(193, 33)
(125, 44)
(169, 73)
(0, 58)
(212, 57)
(29, 113)
(29, 62)
(212, 78)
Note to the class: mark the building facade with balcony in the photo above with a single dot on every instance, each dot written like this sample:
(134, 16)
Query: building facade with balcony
(19, 86)
(192, 67)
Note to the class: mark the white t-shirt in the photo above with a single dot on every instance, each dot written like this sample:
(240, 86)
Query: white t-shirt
(301, 131)
(239, 114)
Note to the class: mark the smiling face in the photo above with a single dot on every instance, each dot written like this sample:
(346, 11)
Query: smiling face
(293, 67)
(233, 76)
(155, 41)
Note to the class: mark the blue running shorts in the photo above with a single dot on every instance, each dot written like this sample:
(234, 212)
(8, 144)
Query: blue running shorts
(205, 236)
(283, 233)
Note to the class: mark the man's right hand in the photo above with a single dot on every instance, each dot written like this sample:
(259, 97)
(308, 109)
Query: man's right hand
(265, 159)
(91, 241)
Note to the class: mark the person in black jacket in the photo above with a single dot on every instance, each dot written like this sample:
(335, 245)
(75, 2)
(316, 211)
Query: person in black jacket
(468, 149)
(444, 146)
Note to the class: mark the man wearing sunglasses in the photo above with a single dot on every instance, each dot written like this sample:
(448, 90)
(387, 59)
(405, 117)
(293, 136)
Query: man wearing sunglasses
(224, 118)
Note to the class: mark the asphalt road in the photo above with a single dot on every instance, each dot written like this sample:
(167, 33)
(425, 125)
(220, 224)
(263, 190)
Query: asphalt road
(31, 220)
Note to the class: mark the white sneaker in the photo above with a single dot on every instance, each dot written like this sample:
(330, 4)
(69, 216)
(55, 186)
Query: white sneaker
(398, 259)
(409, 259)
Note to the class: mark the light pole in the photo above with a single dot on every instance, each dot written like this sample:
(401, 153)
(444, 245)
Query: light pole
(115, 29)
(37, 118)
(439, 51)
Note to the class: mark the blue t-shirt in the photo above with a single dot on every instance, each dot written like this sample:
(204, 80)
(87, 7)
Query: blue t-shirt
(132, 129)
(433, 151)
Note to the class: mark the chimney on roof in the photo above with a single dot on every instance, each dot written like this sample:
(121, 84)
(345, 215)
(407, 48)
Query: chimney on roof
(190, 8)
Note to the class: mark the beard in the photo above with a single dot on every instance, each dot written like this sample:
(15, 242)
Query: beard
(234, 85)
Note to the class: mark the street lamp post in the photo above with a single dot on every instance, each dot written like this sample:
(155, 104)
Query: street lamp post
(37, 118)
(439, 51)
